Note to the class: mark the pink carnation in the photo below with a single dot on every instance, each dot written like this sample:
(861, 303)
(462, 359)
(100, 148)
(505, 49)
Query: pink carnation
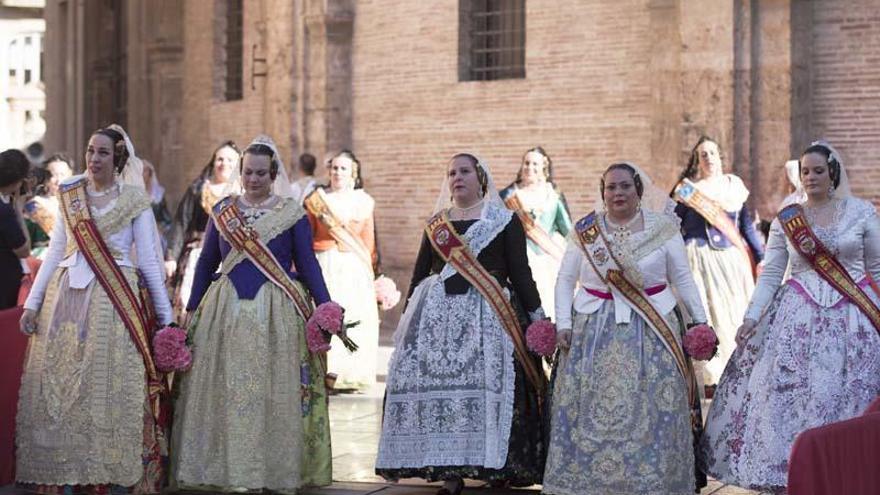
(315, 337)
(387, 294)
(328, 316)
(700, 342)
(170, 350)
(541, 338)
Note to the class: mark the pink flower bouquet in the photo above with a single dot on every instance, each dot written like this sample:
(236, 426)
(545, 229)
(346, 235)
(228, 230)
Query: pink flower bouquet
(541, 338)
(327, 321)
(170, 349)
(387, 295)
(700, 342)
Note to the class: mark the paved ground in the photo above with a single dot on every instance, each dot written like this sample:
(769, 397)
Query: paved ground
(355, 421)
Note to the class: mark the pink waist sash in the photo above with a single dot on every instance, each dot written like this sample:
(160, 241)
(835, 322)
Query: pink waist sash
(607, 295)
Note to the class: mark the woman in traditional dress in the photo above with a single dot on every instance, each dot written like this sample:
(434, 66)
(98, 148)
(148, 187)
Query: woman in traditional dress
(42, 209)
(722, 246)
(464, 395)
(218, 179)
(90, 409)
(624, 395)
(543, 212)
(809, 350)
(341, 215)
(252, 410)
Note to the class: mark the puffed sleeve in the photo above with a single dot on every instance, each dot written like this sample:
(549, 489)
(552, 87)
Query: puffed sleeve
(563, 220)
(872, 246)
(750, 234)
(566, 283)
(518, 268)
(775, 263)
(678, 271)
(145, 238)
(208, 262)
(308, 269)
(54, 255)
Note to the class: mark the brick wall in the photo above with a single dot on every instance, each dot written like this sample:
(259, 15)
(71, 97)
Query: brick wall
(845, 79)
(586, 99)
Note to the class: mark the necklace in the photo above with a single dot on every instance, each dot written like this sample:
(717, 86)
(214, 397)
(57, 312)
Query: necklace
(255, 205)
(622, 226)
(97, 194)
(469, 208)
(462, 212)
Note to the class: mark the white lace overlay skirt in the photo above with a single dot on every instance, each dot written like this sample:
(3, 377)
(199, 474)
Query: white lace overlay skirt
(805, 367)
(450, 387)
(238, 419)
(350, 283)
(725, 282)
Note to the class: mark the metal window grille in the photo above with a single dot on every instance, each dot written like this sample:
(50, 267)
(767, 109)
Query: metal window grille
(234, 50)
(492, 39)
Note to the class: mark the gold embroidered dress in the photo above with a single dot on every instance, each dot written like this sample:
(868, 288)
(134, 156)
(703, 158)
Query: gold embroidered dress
(620, 415)
(252, 410)
(83, 415)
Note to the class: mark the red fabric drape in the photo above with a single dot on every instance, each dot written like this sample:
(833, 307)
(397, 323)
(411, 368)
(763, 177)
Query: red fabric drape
(842, 457)
(13, 345)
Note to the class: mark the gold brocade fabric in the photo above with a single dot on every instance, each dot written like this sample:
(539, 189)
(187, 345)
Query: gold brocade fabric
(238, 419)
(81, 406)
(130, 203)
(620, 419)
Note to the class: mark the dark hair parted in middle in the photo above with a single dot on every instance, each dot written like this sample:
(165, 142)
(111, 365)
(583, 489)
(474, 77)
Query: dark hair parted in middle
(548, 169)
(263, 150)
(481, 174)
(692, 169)
(637, 179)
(357, 168)
(120, 151)
(830, 159)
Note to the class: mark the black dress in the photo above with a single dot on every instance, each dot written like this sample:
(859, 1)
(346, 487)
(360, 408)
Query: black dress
(505, 258)
(11, 237)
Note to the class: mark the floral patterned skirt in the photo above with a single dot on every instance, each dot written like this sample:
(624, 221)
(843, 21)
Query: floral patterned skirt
(620, 418)
(806, 366)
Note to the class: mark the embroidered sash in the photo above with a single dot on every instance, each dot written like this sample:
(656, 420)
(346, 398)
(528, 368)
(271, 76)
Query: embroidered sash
(808, 245)
(597, 249)
(688, 193)
(455, 251)
(233, 228)
(91, 244)
(316, 204)
(534, 231)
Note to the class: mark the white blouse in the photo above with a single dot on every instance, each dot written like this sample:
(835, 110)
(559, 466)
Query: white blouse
(659, 261)
(853, 237)
(138, 235)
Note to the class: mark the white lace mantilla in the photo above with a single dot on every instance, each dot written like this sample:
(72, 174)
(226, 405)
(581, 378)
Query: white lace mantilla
(450, 386)
(482, 232)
